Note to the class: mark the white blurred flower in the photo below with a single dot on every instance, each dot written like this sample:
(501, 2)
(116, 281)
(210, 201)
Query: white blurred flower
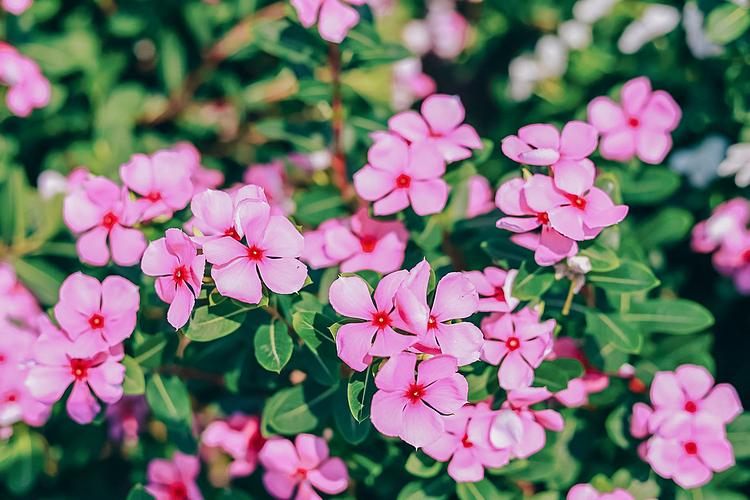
(552, 55)
(737, 163)
(657, 20)
(699, 163)
(695, 35)
(575, 34)
(410, 83)
(590, 11)
(550, 60)
(575, 269)
(51, 183)
(416, 36)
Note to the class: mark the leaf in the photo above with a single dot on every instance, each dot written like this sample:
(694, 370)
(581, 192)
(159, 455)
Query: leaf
(482, 490)
(420, 465)
(318, 204)
(612, 328)
(172, 63)
(531, 286)
(273, 346)
(726, 23)
(25, 460)
(135, 382)
(217, 321)
(738, 433)
(42, 278)
(298, 409)
(616, 426)
(652, 186)
(168, 398)
(352, 430)
(138, 492)
(359, 391)
(438, 488)
(670, 225)
(602, 258)
(555, 374)
(675, 316)
(629, 277)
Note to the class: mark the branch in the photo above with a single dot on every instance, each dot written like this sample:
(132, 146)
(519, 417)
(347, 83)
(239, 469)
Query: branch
(338, 156)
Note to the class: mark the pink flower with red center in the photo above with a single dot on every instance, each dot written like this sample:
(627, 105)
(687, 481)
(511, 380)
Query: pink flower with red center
(163, 180)
(542, 145)
(101, 212)
(359, 243)
(518, 343)
(272, 178)
(578, 389)
(495, 287)
(455, 298)
(304, 466)
(202, 178)
(440, 124)
(17, 7)
(358, 342)
(727, 222)
(178, 269)
(239, 436)
(174, 479)
(640, 126)
(469, 455)
(215, 212)
(272, 248)
(480, 195)
(61, 361)
(104, 311)
(733, 259)
(334, 17)
(399, 174)
(29, 89)
(588, 492)
(413, 408)
(549, 245)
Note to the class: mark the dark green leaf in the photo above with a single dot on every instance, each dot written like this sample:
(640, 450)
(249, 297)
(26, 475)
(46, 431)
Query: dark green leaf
(273, 346)
(298, 409)
(675, 316)
(629, 277)
(555, 374)
(135, 382)
(168, 398)
(613, 328)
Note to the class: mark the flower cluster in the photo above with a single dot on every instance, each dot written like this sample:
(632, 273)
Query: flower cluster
(29, 89)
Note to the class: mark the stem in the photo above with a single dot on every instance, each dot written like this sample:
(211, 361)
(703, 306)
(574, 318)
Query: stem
(187, 373)
(569, 299)
(338, 156)
(275, 314)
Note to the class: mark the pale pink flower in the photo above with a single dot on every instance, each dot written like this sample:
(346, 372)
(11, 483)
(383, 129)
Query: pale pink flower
(202, 178)
(480, 197)
(727, 222)
(304, 465)
(640, 126)
(522, 428)
(174, 479)
(587, 492)
(215, 212)
(334, 17)
(17, 304)
(272, 178)
(60, 362)
(358, 243)
(410, 83)
(127, 418)
(29, 89)
(469, 455)
(541, 144)
(239, 436)
(17, 7)
(455, 298)
(272, 248)
(358, 342)
(178, 269)
(518, 343)
(399, 175)
(440, 124)
(99, 212)
(495, 288)
(105, 311)
(733, 259)
(413, 409)
(639, 420)
(163, 180)
(578, 389)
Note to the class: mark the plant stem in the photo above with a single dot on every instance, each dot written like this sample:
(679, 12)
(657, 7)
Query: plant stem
(569, 299)
(338, 156)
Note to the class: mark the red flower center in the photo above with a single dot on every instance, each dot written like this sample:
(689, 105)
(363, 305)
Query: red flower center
(109, 220)
(300, 474)
(11, 397)
(499, 295)
(233, 233)
(465, 441)
(576, 201)
(177, 491)
(746, 256)
(153, 197)
(96, 321)
(512, 343)
(691, 407)
(180, 275)
(381, 319)
(2, 359)
(368, 243)
(542, 218)
(636, 385)
(691, 448)
(254, 253)
(403, 181)
(79, 368)
(633, 122)
(414, 393)
(431, 322)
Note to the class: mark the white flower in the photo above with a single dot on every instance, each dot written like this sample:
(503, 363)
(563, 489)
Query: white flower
(699, 163)
(575, 269)
(575, 34)
(657, 20)
(590, 11)
(695, 35)
(737, 163)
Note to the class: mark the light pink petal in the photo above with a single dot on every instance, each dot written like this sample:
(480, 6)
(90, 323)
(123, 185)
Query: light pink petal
(635, 94)
(214, 208)
(397, 373)
(410, 125)
(81, 405)
(540, 194)
(81, 292)
(618, 145)
(533, 439)
(396, 201)
(442, 449)
(372, 183)
(455, 298)
(387, 288)
(427, 197)
(137, 174)
(540, 136)
(574, 177)
(279, 455)
(447, 395)
(540, 157)
(312, 450)
(279, 485)
(690, 472)
(282, 239)
(92, 247)
(388, 343)
(513, 147)
(389, 153)
(462, 340)
(157, 261)
(350, 296)
(509, 198)
(723, 402)
(465, 135)
(80, 213)
(181, 307)
(425, 161)
(106, 381)
(605, 115)
(412, 311)
(600, 211)
(506, 429)
(421, 425)
(335, 20)
(553, 247)
(307, 11)
(578, 140)
(652, 146)
(550, 419)
(665, 391)
(221, 251)
(436, 368)
(443, 113)
(48, 383)
(331, 477)
(568, 221)
(464, 467)
(239, 280)
(253, 216)
(353, 342)
(387, 412)
(284, 275)
(119, 296)
(661, 112)
(127, 244)
(73, 322)
(514, 372)
(695, 380)
(716, 453)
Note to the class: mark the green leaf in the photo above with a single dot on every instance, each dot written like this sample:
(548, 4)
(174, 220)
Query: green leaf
(613, 328)
(168, 398)
(359, 391)
(352, 430)
(135, 382)
(318, 204)
(675, 316)
(616, 425)
(670, 225)
(483, 490)
(298, 409)
(172, 61)
(602, 258)
(217, 321)
(629, 277)
(138, 492)
(420, 465)
(531, 286)
(273, 346)
(652, 186)
(22, 460)
(42, 278)
(738, 433)
(555, 374)
(726, 23)
(438, 488)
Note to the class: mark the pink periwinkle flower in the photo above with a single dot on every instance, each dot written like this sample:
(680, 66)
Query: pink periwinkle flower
(239, 436)
(173, 479)
(163, 180)
(178, 269)
(521, 427)
(399, 175)
(441, 124)
(410, 83)
(17, 7)
(455, 298)
(89, 366)
(304, 466)
(202, 178)
(578, 389)
(105, 311)
(102, 212)
(542, 145)
(480, 195)
(29, 89)
(727, 222)
(640, 126)
(127, 418)
(733, 259)
(358, 243)
(518, 343)
(358, 342)
(334, 17)
(468, 455)
(585, 491)
(17, 304)
(495, 288)
(413, 408)
(273, 247)
(272, 178)
(215, 212)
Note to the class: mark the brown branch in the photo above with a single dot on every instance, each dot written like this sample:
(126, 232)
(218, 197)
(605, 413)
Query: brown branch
(188, 373)
(338, 156)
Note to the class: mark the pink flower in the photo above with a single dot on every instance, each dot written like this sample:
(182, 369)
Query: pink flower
(202, 178)
(578, 389)
(640, 127)
(639, 420)
(334, 17)
(178, 269)
(480, 197)
(163, 179)
(105, 311)
(549, 246)
(399, 175)
(413, 409)
(588, 492)
(174, 479)
(87, 365)
(29, 89)
(455, 298)
(17, 7)
(358, 342)
(495, 289)
(522, 428)
(410, 83)
(518, 343)
(102, 211)
(441, 124)
(304, 465)
(468, 457)
(733, 259)
(272, 178)
(728, 221)
(126, 418)
(358, 243)
(239, 436)
(17, 304)
(541, 144)
(215, 212)
(272, 248)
